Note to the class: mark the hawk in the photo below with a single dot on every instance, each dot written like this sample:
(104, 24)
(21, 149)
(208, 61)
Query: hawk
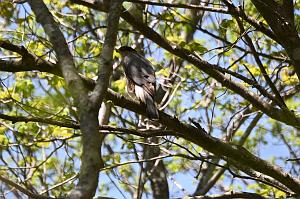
(140, 76)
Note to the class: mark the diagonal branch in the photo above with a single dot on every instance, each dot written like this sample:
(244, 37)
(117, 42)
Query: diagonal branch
(28, 61)
(231, 195)
(15, 119)
(180, 5)
(22, 189)
(14, 48)
(278, 98)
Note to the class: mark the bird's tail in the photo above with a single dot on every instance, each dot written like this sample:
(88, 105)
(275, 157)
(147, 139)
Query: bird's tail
(151, 109)
(147, 99)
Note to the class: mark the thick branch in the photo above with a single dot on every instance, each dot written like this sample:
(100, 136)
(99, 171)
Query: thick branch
(14, 48)
(180, 5)
(28, 62)
(22, 189)
(231, 195)
(15, 119)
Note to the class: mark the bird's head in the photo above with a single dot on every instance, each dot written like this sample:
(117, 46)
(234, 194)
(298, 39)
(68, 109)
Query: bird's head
(123, 50)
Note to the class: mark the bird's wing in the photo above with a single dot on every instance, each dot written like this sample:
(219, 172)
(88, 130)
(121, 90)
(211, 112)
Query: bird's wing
(139, 70)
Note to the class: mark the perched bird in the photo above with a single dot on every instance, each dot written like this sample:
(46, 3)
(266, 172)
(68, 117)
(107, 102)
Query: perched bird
(140, 76)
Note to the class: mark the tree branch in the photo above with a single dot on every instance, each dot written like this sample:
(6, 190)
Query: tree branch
(28, 62)
(22, 189)
(180, 5)
(104, 128)
(231, 195)
(15, 119)
(278, 100)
